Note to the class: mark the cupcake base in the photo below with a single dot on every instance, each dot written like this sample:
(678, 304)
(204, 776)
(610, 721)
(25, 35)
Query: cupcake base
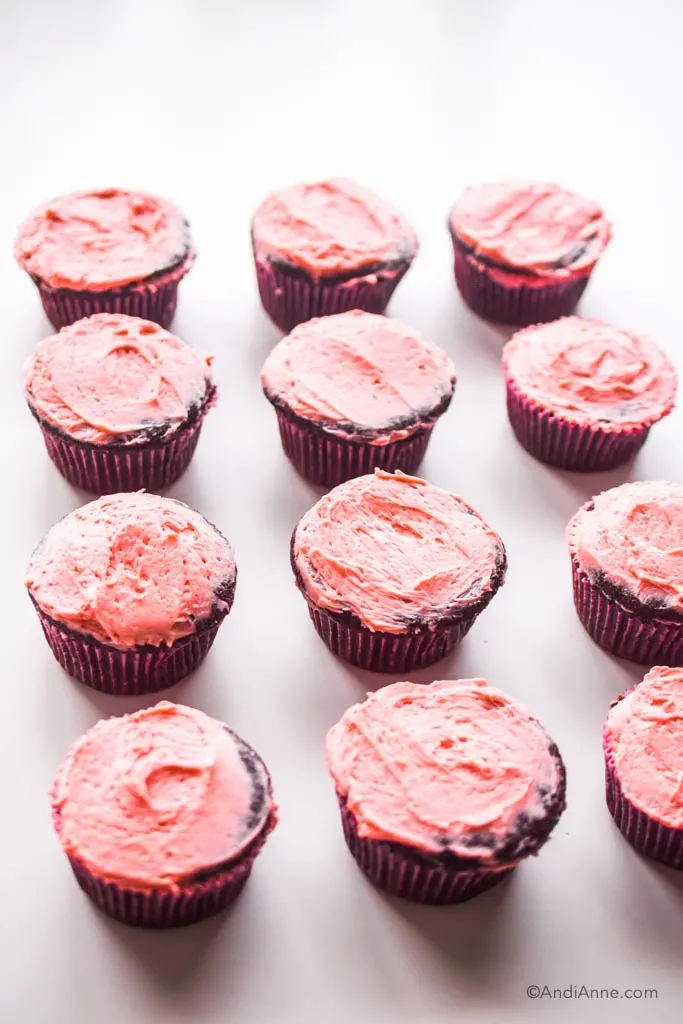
(646, 835)
(389, 652)
(405, 872)
(140, 670)
(566, 445)
(519, 304)
(328, 460)
(188, 903)
(110, 469)
(152, 299)
(624, 633)
(291, 297)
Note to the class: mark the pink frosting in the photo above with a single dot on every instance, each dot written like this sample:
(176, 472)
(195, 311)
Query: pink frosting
(644, 736)
(634, 534)
(132, 569)
(331, 226)
(587, 371)
(390, 548)
(533, 226)
(437, 767)
(360, 370)
(151, 799)
(111, 375)
(98, 240)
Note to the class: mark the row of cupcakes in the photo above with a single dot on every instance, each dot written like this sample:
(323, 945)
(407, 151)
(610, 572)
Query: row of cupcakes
(523, 250)
(121, 401)
(443, 790)
(131, 588)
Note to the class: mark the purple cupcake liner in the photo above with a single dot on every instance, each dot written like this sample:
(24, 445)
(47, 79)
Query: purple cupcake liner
(388, 652)
(521, 304)
(644, 833)
(154, 300)
(139, 670)
(624, 633)
(110, 470)
(566, 445)
(290, 298)
(329, 460)
(402, 874)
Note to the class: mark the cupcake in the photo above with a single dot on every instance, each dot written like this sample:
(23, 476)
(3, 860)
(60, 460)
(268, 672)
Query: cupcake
(583, 395)
(625, 547)
(643, 745)
(162, 814)
(354, 392)
(106, 251)
(130, 591)
(326, 248)
(524, 250)
(395, 571)
(445, 788)
(120, 402)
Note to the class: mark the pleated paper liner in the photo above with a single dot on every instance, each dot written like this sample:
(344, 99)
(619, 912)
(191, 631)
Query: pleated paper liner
(566, 445)
(135, 671)
(291, 298)
(154, 299)
(403, 872)
(522, 304)
(389, 652)
(624, 633)
(328, 460)
(645, 834)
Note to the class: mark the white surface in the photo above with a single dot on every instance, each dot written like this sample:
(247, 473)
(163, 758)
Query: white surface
(213, 104)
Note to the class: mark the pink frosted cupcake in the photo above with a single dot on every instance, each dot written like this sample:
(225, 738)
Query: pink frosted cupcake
(120, 402)
(625, 547)
(106, 251)
(395, 571)
(643, 748)
(524, 250)
(328, 247)
(162, 814)
(130, 591)
(354, 392)
(643, 745)
(445, 788)
(583, 395)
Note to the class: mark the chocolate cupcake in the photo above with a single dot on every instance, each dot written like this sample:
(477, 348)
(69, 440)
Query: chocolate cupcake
(643, 746)
(355, 392)
(106, 251)
(328, 247)
(625, 547)
(445, 788)
(583, 395)
(120, 402)
(130, 591)
(162, 814)
(524, 250)
(395, 571)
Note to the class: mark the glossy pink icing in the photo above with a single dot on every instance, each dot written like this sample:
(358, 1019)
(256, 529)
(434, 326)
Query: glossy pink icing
(434, 766)
(531, 226)
(588, 371)
(389, 548)
(360, 370)
(644, 736)
(150, 799)
(93, 241)
(131, 569)
(634, 534)
(111, 375)
(331, 226)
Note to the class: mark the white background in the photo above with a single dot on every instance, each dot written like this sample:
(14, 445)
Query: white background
(214, 104)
